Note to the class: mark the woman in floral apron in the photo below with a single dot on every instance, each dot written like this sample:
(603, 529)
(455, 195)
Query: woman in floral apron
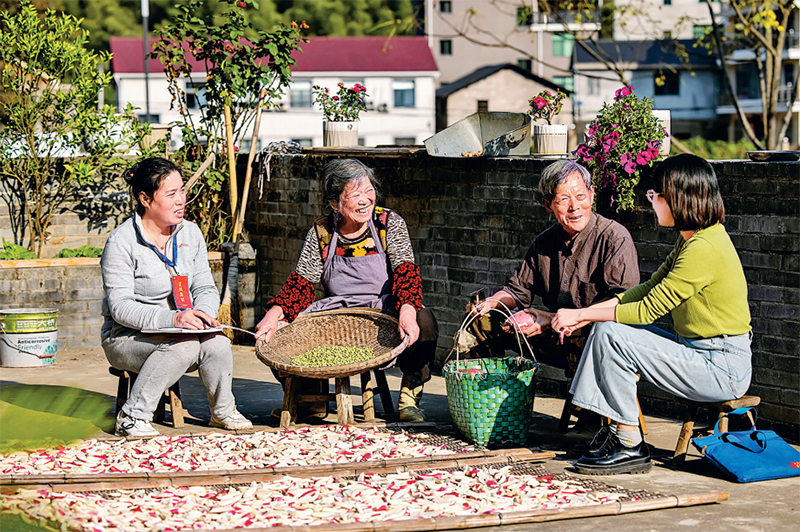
(362, 256)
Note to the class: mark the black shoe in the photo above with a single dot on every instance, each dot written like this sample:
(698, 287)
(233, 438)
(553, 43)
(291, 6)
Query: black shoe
(614, 458)
(587, 448)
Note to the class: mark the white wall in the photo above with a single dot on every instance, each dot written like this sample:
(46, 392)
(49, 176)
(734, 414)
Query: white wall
(303, 123)
(649, 19)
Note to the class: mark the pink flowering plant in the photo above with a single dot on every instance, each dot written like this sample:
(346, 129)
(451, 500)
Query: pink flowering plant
(345, 105)
(624, 139)
(546, 105)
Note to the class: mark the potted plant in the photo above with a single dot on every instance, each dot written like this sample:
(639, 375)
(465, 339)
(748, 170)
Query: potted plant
(548, 139)
(623, 139)
(341, 110)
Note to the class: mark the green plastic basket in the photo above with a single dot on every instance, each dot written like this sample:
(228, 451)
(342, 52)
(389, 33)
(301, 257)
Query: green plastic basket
(491, 398)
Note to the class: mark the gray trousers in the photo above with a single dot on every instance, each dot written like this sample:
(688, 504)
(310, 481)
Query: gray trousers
(161, 359)
(702, 369)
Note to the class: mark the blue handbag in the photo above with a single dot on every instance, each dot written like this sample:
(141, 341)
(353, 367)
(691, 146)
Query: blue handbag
(750, 455)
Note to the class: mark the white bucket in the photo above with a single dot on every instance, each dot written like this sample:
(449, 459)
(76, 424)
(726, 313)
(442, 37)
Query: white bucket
(28, 337)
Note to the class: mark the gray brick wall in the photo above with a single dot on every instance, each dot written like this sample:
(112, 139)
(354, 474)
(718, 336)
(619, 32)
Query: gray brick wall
(77, 293)
(471, 221)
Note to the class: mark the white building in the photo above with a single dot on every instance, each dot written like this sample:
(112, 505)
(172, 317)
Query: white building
(399, 73)
(689, 91)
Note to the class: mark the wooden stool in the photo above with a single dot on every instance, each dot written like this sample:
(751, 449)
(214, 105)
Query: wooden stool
(171, 396)
(344, 403)
(688, 431)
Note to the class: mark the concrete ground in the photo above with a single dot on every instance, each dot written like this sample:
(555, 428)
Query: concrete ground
(768, 506)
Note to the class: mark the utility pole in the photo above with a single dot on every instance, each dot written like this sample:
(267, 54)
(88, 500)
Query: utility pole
(145, 18)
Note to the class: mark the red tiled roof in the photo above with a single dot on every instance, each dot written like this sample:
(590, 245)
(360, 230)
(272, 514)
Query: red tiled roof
(320, 54)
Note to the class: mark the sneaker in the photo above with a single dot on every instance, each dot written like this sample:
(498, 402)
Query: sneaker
(234, 421)
(130, 426)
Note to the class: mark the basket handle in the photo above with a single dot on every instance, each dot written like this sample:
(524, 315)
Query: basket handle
(508, 314)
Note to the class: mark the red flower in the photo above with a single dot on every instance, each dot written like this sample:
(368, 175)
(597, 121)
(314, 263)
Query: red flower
(242, 4)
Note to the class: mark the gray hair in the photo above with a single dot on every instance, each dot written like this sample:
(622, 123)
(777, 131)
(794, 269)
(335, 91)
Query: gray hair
(341, 172)
(556, 173)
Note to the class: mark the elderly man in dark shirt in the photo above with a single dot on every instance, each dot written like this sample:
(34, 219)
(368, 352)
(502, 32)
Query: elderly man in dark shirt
(583, 259)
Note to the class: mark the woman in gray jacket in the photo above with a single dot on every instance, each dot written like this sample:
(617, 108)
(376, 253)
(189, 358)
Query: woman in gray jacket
(156, 276)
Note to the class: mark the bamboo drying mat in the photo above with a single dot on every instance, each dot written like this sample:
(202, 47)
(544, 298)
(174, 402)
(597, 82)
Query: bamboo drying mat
(629, 501)
(463, 454)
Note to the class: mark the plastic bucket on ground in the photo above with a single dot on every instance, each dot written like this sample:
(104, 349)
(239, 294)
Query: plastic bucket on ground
(28, 337)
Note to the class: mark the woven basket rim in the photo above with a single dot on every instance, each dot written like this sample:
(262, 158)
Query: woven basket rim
(263, 350)
(448, 368)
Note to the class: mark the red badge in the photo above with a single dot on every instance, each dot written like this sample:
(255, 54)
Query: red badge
(180, 292)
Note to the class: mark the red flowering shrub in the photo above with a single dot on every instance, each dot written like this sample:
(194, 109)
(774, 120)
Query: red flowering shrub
(345, 105)
(546, 105)
(623, 139)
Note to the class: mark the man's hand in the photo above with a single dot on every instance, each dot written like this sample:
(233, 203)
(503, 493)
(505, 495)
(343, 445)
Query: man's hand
(193, 319)
(530, 322)
(268, 325)
(408, 323)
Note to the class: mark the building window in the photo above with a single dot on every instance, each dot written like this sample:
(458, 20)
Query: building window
(568, 82)
(562, 44)
(446, 47)
(246, 143)
(153, 119)
(483, 106)
(524, 16)
(593, 86)
(195, 94)
(667, 2)
(700, 30)
(304, 143)
(445, 6)
(671, 85)
(405, 141)
(403, 93)
(525, 64)
(300, 94)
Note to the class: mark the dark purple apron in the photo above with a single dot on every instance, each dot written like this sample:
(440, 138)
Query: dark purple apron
(354, 281)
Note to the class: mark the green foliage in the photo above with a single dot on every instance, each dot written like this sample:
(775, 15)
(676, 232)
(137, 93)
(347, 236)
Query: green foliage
(240, 62)
(624, 139)
(716, 149)
(83, 251)
(12, 251)
(50, 81)
(345, 105)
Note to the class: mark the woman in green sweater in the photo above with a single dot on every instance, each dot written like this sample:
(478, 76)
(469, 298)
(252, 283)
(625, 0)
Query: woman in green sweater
(702, 285)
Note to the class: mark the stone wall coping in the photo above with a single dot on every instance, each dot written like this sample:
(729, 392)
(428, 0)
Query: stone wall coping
(76, 261)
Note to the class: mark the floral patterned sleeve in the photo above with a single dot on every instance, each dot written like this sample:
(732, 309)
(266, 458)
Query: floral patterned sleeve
(406, 282)
(297, 292)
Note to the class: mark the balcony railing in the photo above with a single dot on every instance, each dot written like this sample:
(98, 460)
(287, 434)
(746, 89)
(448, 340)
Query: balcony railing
(785, 94)
(555, 20)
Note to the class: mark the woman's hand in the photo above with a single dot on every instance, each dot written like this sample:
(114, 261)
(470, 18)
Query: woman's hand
(266, 328)
(483, 307)
(567, 320)
(193, 319)
(408, 323)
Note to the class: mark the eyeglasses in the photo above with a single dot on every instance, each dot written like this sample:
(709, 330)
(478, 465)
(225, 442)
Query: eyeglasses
(651, 195)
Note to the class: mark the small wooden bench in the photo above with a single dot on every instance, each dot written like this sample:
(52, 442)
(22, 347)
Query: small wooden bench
(371, 382)
(688, 431)
(171, 396)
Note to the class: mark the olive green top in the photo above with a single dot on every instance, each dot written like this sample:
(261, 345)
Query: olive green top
(701, 284)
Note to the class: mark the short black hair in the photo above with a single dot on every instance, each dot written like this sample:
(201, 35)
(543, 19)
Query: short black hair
(690, 188)
(146, 176)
